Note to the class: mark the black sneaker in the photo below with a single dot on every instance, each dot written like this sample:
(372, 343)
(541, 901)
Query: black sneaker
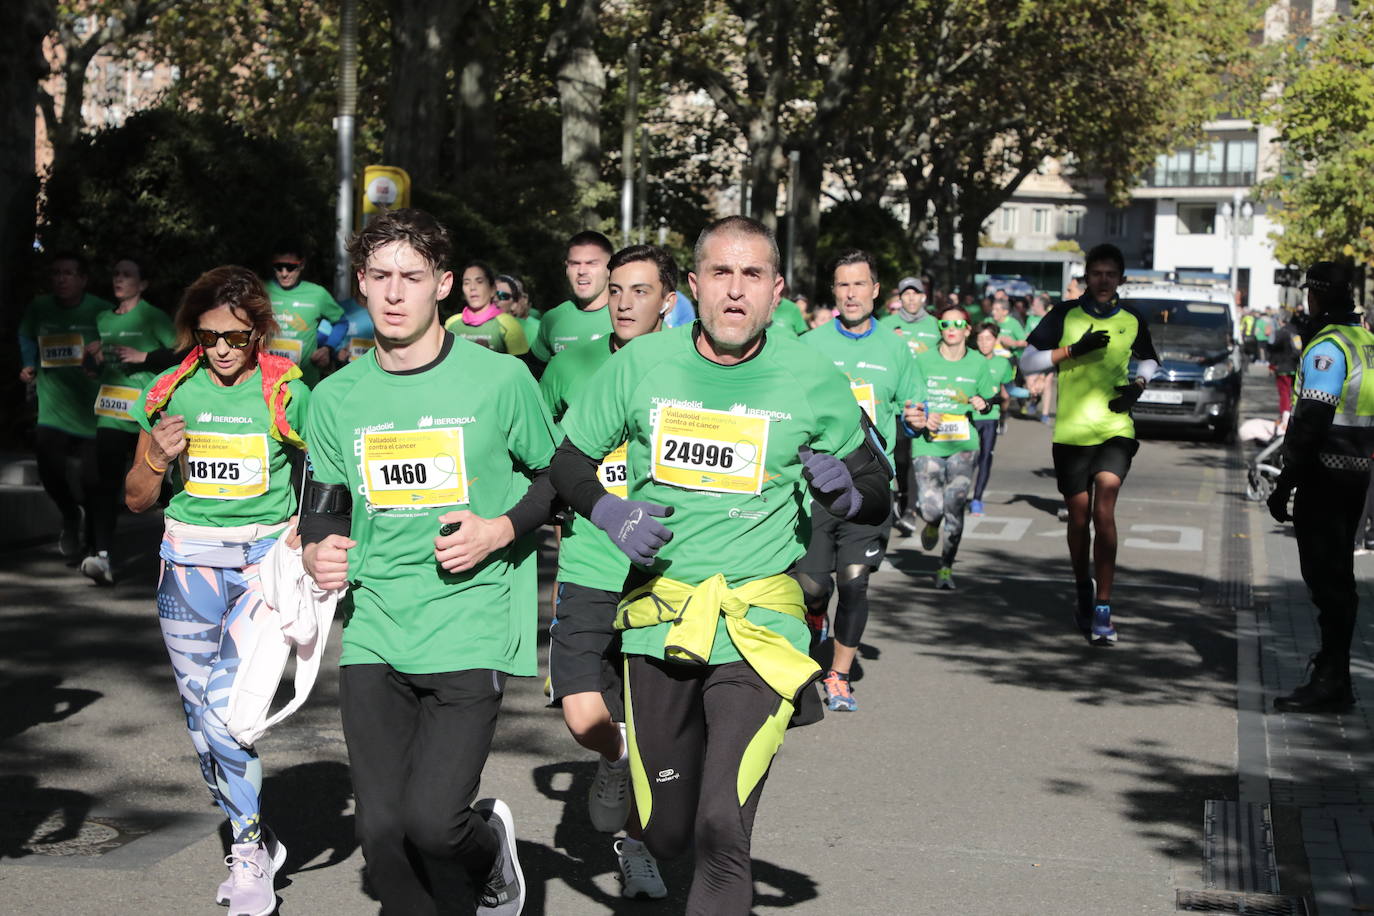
(504, 894)
(1328, 690)
(905, 523)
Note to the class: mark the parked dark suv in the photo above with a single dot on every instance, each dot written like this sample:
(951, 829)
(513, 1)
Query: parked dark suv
(1198, 385)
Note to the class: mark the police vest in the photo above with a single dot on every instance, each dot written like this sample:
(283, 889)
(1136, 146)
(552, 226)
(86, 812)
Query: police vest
(1349, 443)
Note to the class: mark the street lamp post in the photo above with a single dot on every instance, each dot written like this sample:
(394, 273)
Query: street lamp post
(1234, 211)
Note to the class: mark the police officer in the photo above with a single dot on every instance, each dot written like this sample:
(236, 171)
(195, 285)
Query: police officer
(1327, 459)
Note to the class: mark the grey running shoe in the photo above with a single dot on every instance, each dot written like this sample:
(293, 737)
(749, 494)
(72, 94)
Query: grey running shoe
(250, 872)
(608, 801)
(276, 849)
(639, 875)
(97, 567)
(504, 894)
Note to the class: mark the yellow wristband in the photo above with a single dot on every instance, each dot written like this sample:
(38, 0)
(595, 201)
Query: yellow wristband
(148, 461)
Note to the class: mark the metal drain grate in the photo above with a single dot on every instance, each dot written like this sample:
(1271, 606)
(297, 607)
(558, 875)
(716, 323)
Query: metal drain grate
(1234, 588)
(1241, 903)
(1238, 848)
(52, 835)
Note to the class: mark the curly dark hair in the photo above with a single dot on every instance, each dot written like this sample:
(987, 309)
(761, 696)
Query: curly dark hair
(237, 287)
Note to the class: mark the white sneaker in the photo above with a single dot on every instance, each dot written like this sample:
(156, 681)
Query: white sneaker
(639, 875)
(276, 849)
(608, 802)
(97, 567)
(251, 890)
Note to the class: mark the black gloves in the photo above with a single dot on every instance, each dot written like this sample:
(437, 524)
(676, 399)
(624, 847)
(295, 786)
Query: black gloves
(1126, 396)
(1090, 341)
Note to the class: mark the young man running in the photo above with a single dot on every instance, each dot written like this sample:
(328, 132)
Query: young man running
(299, 307)
(724, 426)
(584, 649)
(419, 501)
(55, 334)
(584, 316)
(913, 323)
(1090, 342)
(883, 378)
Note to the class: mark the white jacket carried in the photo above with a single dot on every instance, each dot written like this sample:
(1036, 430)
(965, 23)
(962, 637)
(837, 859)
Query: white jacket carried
(300, 615)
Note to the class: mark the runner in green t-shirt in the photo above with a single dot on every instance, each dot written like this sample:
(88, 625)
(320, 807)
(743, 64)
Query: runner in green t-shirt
(299, 306)
(724, 425)
(128, 333)
(959, 390)
(1091, 342)
(990, 426)
(57, 336)
(916, 325)
(428, 461)
(789, 317)
(1012, 337)
(229, 417)
(883, 379)
(482, 319)
(511, 296)
(584, 316)
(584, 650)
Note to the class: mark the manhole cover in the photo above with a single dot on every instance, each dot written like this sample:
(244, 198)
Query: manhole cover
(51, 835)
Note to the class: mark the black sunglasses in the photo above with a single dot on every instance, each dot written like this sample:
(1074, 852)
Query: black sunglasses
(287, 265)
(236, 339)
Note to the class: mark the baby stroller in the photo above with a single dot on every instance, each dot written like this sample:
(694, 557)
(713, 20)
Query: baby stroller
(1262, 472)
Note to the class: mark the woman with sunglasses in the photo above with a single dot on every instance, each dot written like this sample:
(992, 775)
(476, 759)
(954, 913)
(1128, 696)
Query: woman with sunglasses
(227, 416)
(959, 390)
(128, 333)
(482, 320)
(1003, 371)
(512, 298)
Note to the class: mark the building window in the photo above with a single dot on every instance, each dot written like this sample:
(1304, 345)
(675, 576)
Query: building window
(1116, 223)
(1197, 219)
(1240, 162)
(1040, 221)
(1217, 163)
(1073, 223)
(1006, 219)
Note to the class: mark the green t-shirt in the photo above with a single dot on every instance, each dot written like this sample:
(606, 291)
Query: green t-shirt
(298, 311)
(882, 373)
(220, 477)
(950, 387)
(530, 325)
(1032, 322)
(66, 394)
(143, 328)
(788, 315)
(920, 335)
(1087, 384)
(564, 325)
(586, 555)
(501, 333)
(719, 445)
(412, 447)
(1002, 371)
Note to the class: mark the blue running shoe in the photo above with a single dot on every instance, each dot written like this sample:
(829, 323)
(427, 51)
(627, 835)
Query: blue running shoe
(975, 507)
(838, 696)
(1103, 633)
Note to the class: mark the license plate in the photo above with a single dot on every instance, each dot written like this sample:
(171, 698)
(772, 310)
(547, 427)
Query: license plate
(1149, 396)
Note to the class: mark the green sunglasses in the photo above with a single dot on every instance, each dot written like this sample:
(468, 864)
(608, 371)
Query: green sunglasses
(947, 323)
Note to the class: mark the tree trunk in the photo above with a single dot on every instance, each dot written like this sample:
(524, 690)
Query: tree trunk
(811, 171)
(472, 115)
(21, 67)
(422, 37)
(581, 83)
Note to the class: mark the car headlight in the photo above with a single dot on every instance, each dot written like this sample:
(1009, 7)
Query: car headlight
(1217, 371)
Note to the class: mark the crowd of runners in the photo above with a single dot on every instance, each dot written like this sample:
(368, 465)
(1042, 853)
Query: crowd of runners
(719, 465)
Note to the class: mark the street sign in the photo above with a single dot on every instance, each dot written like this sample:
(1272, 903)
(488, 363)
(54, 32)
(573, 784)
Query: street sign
(384, 187)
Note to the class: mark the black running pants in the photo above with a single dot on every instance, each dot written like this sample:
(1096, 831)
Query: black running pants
(1326, 508)
(52, 448)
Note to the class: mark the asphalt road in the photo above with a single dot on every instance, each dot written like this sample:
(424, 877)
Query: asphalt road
(996, 765)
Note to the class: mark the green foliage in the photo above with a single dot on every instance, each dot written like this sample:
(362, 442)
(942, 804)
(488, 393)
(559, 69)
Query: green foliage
(1325, 116)
(870, 227)
(185, 193)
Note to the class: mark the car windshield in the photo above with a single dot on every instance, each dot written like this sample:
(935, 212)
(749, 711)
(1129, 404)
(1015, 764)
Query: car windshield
(1180, 323)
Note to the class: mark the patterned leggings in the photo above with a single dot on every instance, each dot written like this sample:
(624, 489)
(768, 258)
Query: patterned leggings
(942, 486)
(207, 610)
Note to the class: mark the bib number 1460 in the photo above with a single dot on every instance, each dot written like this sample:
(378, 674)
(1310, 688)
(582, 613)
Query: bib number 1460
(403, 472)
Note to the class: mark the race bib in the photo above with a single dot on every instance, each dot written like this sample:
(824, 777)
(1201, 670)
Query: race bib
(115, 402)
(358, 347)
(614, 473)
(953, 428)
(864, 395)
(285, 346)
(417, 467)
(225, 465)
(1001, 351)
(712, 450)
(60, 351)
